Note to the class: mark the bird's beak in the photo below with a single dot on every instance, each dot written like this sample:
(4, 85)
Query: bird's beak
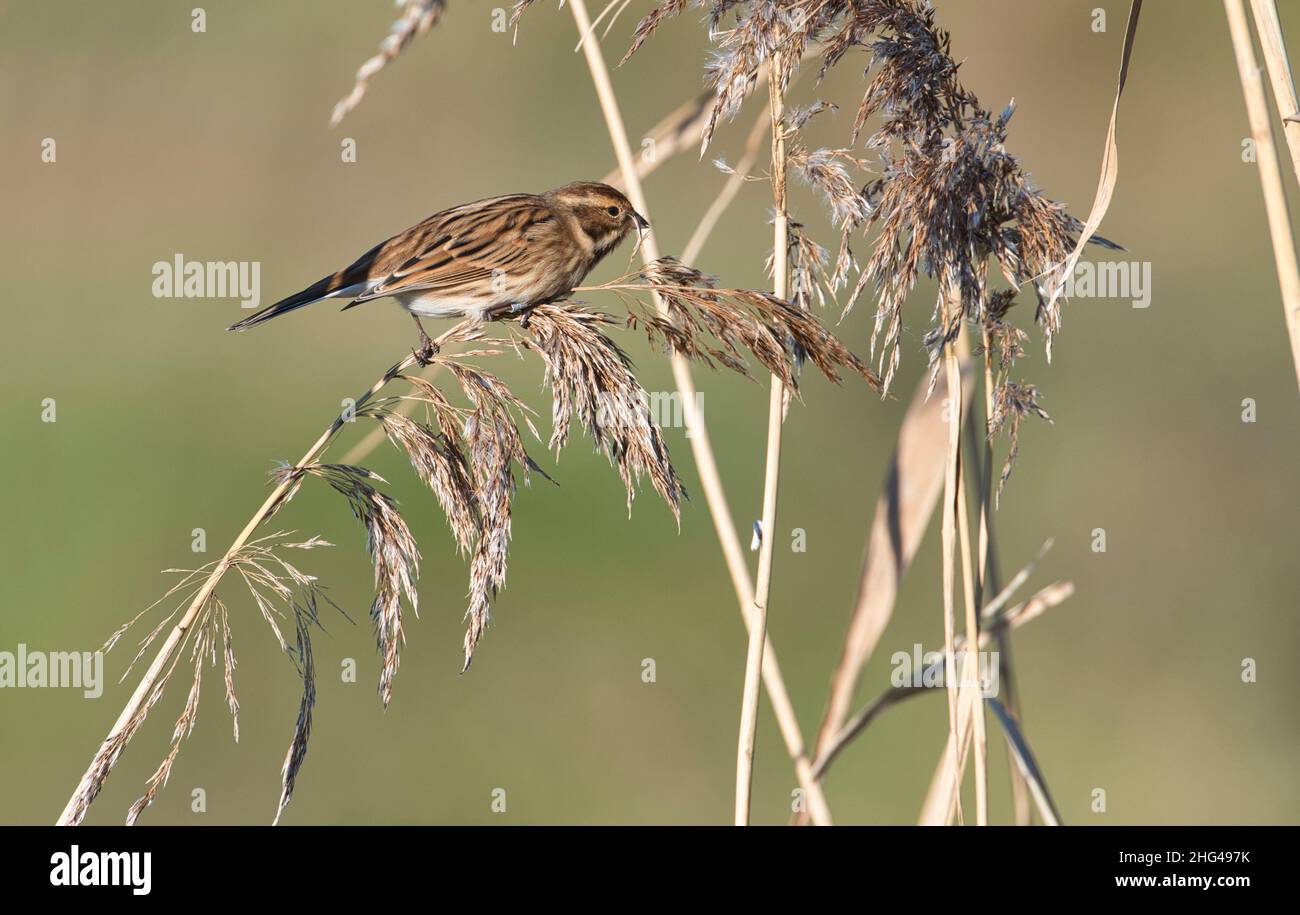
(642, 224)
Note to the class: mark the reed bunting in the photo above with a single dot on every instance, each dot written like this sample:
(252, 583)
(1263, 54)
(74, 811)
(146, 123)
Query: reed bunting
(482, 259)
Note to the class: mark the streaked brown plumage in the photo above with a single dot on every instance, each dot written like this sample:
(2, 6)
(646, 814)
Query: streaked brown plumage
(482, 258)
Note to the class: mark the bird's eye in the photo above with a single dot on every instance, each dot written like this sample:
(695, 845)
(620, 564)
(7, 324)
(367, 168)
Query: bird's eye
(612, 211)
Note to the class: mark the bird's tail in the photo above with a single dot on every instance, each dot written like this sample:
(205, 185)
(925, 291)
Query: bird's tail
(326, 288)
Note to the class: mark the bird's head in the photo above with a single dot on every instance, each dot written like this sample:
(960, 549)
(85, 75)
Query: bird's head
(602, 213)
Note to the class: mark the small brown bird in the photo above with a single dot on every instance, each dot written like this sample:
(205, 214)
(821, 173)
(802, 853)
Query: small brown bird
(483, 258)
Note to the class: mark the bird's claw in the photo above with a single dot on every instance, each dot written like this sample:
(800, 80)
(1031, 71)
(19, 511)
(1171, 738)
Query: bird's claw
(428, 349)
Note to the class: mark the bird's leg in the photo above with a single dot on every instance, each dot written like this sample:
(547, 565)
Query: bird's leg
(525, 309)
(428, 349)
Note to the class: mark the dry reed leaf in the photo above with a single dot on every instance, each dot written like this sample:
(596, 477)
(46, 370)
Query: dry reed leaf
(1024, 758)
(1109, 168)
(913, 483)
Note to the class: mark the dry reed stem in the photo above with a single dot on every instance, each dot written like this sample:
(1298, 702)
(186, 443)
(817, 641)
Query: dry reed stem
(378, 434)
(942, 801)
(949, 538)
(772, 466)
(676, 131)
(940, 807)
(1270, 174)
(587, 35)
(706, 465)
(971, 596)
(1269, 30)
(149, 689)
(981, 445)
(970, 668)
(418, 16)
(730, 188)
(913, 482)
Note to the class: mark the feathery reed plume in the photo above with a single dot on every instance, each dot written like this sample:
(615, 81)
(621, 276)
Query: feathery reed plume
(184, 724)
(418, 16)
(950, 196)
(591, 376)
(517, 11)
(494, 446)
(777, 333)
(435, 455)
(393, 552)
(304, 619)
(1008, 401)
(201, 584)
(276, 586)
(1012, 402)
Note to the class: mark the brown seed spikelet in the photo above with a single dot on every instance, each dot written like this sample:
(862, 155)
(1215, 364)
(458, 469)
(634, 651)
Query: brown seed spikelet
(393, 552)
(590, 375)
(778, 334)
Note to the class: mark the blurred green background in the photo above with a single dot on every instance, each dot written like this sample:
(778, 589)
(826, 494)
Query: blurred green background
(216, 145)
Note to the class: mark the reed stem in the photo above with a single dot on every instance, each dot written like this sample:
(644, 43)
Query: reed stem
(706, 465)
(1270, 174)
(772, 468)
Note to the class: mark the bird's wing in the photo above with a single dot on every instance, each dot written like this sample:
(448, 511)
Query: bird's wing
(459, 251)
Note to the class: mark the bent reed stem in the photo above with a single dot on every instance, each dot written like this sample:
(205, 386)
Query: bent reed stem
(137, 707)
